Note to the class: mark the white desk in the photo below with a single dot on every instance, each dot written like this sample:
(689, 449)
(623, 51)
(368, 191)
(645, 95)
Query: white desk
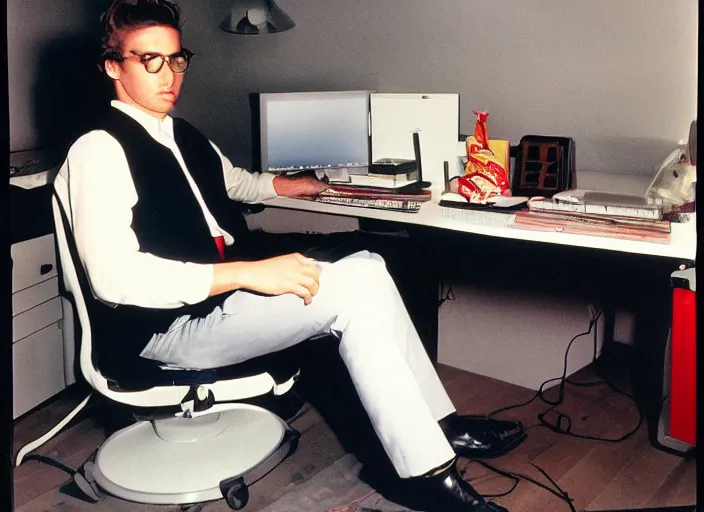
(680, 249)
(682, 244)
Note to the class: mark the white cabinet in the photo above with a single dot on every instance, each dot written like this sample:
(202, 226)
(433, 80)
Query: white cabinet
(37, 338)
(37, 368)
(34, 261)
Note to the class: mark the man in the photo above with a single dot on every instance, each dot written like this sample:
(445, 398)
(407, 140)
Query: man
(150, 210)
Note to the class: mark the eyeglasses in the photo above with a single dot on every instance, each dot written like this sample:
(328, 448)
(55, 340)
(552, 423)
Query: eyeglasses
(153, 62)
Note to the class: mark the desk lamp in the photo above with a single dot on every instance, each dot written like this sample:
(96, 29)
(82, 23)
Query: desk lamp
(251, 17)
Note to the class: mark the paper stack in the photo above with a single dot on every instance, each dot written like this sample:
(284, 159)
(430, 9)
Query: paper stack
(592, 212)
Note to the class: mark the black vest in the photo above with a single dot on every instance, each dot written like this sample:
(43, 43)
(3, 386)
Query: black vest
(168, 222)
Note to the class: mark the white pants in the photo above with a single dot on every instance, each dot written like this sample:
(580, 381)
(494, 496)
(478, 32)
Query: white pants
(358, 302)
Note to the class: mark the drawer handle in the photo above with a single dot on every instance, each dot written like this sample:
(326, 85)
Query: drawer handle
(46, 268)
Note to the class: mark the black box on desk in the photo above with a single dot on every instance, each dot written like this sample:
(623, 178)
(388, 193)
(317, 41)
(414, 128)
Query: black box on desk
(544, 165)
(393, 166)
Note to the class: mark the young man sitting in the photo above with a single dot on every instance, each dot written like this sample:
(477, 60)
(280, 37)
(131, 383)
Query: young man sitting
(151, 211)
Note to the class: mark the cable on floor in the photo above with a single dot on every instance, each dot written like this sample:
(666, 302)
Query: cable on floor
(561, 423)
(445, 295)
(516, 477)
(43, 459)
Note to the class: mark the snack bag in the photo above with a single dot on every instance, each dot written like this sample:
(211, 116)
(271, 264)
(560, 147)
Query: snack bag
(485, 175)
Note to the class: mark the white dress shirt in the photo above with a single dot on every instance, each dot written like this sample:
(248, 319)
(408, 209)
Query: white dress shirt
(102, 195)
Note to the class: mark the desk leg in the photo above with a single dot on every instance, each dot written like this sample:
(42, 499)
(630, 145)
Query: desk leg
(419, 285)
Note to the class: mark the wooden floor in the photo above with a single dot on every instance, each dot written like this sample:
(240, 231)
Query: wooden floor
(597, 475)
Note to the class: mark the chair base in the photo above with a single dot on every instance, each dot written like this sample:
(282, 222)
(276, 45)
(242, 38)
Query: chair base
(138, 465)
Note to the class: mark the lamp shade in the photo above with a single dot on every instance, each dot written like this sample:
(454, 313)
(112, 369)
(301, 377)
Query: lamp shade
(251, 17)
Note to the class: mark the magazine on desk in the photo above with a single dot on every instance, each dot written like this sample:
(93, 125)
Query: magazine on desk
(496, 204)
(409, 200)
(592, 224)
(600, 203)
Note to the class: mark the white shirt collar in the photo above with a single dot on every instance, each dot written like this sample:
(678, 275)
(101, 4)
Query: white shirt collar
(155, 127)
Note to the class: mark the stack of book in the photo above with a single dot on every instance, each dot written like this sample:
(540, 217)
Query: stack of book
(407, 200)
(590, 212)
(389, 184)
(383, 180)
(389, 173)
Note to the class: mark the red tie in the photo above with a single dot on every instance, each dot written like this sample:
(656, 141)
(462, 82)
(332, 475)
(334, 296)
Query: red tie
(220, 242)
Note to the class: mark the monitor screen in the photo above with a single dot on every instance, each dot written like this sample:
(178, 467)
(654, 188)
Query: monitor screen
(314, 130)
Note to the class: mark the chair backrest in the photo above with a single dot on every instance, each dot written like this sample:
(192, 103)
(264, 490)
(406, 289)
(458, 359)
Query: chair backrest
(77, 285)
(162, 388)
(74, 280)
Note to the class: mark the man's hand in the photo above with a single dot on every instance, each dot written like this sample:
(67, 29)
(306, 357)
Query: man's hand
(298, 187)
(291, 273)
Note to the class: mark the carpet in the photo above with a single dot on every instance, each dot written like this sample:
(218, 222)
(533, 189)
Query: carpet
(337, 488)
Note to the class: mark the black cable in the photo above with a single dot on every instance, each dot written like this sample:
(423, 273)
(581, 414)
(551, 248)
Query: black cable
(43, 459)
(563, 494)
(563, 378)
(604, 381)
(540, 393)
(444, 296)
(562, 423)
(516, 477)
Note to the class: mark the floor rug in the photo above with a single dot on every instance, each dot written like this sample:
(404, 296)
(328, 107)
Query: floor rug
(335, 489)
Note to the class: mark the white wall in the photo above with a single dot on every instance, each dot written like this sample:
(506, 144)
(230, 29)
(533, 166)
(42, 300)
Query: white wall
(619, 76)
(515, 337)
(53, 83)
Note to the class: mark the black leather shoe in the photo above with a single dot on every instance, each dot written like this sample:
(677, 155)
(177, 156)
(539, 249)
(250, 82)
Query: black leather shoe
(478, 437)
(448, 492)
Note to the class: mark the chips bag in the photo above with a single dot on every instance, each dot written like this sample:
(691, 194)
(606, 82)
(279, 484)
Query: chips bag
(485, 175)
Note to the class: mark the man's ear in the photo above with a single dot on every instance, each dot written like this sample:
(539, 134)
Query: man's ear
(112, 69)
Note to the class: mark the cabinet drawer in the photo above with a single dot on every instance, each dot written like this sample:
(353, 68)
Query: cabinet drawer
(33, 261)
(37, 369)
(34, 295)
(36, 319)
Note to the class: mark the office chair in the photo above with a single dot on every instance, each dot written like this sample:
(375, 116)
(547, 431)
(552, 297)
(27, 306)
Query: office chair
(195, 443)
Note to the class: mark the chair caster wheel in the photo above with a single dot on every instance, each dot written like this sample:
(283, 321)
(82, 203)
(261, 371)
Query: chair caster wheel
(236, 493)
(295, 436)
(88, 471)
(89, 488)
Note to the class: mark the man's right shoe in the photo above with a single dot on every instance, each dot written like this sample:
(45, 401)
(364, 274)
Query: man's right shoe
(448, 492)
(445, 492)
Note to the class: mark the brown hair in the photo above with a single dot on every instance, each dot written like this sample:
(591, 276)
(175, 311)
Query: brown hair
(127, 15)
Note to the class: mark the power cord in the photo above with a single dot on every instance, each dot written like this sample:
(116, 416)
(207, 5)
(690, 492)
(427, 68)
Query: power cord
(561, 423)
(445, 295)
(540, 393)
(516, 477)
(43, 459)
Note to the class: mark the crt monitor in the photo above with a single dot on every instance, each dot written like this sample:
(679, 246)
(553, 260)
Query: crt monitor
(314, 130)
